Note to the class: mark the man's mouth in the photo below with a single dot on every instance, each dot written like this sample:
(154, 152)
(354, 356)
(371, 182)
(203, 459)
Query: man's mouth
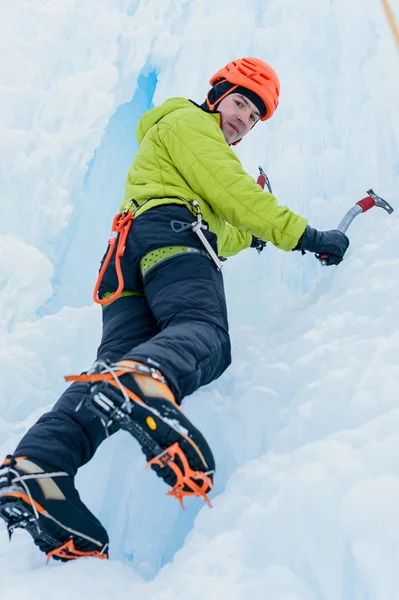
(234, 127)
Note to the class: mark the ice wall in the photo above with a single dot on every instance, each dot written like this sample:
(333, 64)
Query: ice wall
(304, 425)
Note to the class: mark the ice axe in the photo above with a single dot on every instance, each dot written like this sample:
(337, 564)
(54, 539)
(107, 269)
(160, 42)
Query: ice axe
(263, 180)
(371, 200)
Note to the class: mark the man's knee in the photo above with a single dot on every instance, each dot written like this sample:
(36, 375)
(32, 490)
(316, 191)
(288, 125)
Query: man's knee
(225, 354)
(214, 359)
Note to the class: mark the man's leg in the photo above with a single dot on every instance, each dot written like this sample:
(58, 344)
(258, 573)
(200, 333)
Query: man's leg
(186, 296)
(68, 436)
(37, 489)
(187, 299)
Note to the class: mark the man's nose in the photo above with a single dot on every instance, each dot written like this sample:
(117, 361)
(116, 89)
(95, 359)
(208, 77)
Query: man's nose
(244, 118)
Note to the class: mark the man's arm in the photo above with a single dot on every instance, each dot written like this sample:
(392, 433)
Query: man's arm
(214, 172)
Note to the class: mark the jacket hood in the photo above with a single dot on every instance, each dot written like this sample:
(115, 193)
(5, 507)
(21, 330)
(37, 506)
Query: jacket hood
(154, 115)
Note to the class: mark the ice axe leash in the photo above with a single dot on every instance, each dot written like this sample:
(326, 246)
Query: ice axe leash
(371, 200)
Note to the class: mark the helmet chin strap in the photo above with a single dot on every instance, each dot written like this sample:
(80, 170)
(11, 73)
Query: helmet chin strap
(212, 106)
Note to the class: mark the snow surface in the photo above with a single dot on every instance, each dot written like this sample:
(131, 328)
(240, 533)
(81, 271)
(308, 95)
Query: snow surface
(305, 424)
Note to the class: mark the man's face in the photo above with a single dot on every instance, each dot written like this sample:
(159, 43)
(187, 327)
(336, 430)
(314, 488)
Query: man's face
(238, 116)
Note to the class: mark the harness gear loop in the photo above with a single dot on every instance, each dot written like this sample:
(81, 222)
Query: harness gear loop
(120, 230)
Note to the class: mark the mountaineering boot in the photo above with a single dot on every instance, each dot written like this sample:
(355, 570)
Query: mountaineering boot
(135, 397)
(46, 503)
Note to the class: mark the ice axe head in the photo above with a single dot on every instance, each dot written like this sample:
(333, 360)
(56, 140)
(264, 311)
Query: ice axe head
(372, 199)
(377, 201)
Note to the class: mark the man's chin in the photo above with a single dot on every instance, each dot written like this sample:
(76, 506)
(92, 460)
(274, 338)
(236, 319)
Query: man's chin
(230, 139)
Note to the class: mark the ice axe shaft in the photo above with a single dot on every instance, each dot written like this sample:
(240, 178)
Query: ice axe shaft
(263, 180)
(371, 200)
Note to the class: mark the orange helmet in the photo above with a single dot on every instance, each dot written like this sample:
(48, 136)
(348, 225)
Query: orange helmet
(255, 75)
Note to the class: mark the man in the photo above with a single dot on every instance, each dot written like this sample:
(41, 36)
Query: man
(188, 203)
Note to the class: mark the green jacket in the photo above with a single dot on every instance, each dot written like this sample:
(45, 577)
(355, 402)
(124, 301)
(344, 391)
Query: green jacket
(183, 155)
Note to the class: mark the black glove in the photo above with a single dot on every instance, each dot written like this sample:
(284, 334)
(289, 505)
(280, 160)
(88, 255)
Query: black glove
(332, 243)
(257, 243)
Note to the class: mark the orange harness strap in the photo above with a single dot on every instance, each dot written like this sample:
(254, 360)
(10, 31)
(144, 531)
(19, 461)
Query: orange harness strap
(120, 229)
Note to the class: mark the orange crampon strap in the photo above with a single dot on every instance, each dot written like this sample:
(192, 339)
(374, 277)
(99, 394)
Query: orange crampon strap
(94, 377)
(69, 552)
(122, 369)
(110, 377)
(111, 374)
(8, 460)
(185, 478)
(120, 229)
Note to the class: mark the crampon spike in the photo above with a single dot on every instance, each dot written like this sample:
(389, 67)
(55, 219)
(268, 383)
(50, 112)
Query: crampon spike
(68, 552)
(184, 478)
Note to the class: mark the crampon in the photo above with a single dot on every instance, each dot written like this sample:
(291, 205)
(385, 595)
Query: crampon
(46, 504)
(188, 482)
(134, 397)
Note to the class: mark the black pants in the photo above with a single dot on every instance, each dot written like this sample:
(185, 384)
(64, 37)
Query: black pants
(179, 326)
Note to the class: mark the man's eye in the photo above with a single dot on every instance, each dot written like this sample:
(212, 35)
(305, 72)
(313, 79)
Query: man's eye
(253, 118)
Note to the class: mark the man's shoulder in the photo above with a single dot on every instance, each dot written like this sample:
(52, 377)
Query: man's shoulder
(165, 115)
(178, 108)
(190, 114)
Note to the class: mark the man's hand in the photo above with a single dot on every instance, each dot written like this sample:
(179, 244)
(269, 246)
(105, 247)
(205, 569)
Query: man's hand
(331, 245)
(258, 244)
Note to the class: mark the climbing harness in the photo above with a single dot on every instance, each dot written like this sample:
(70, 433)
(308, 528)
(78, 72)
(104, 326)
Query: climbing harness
(117, 240)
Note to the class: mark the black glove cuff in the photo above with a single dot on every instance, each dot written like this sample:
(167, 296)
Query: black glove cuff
(307, 239)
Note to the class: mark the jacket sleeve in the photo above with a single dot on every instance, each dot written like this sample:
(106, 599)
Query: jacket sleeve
(198, 150)
(233, 241)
